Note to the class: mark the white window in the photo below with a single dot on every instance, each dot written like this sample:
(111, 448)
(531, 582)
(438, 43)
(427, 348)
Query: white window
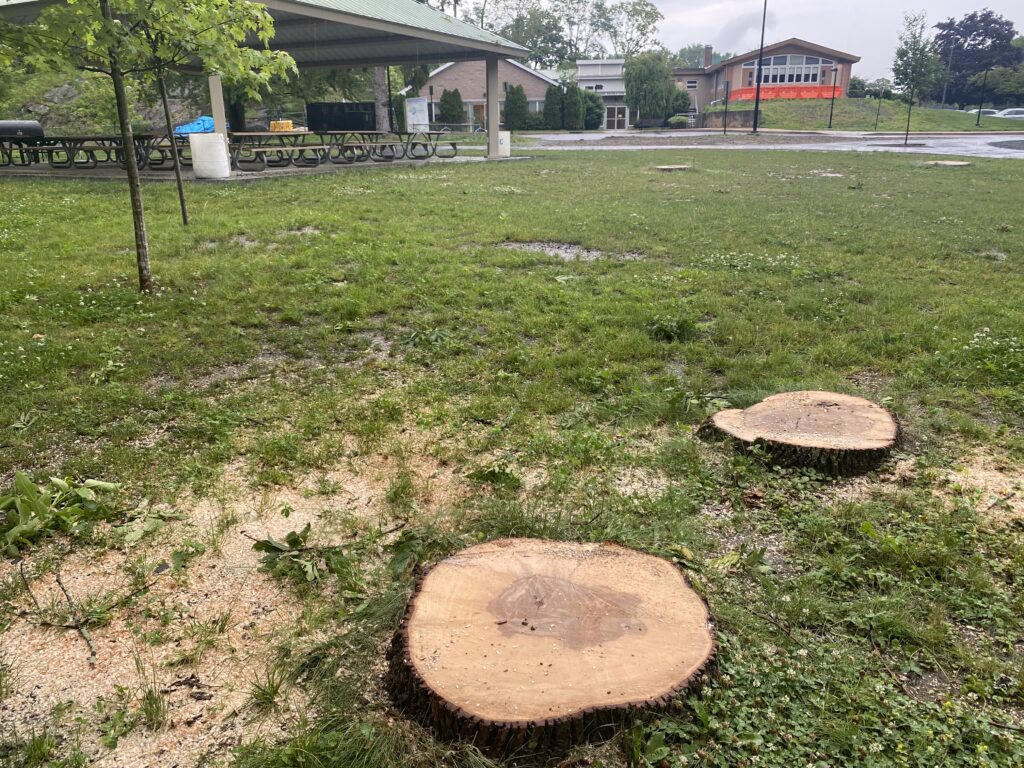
(691, 85)
(787, 70)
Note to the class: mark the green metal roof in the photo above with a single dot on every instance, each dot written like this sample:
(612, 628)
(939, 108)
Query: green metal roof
(410, 13)
(441, 34)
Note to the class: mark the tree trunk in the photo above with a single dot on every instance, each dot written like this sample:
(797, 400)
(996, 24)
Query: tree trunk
(131, 163)
(236, 114)
(529, 645)
(833, 432)
(174, 149)
(380, 98)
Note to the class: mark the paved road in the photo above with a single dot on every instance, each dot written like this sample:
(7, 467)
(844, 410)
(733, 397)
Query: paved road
(995, 145)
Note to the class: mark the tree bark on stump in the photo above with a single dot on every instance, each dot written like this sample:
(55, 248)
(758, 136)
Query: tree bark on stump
(529, 644)
(837, 433)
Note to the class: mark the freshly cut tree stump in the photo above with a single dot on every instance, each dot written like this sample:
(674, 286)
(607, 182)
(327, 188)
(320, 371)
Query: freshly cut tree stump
(528, 643)
(673, 167)
(949, 163)
(838, 433)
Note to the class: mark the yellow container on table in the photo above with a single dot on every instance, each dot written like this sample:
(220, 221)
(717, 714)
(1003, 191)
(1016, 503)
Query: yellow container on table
(281, 125)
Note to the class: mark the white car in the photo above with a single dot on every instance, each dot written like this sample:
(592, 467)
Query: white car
(984, 112)
(1016, 113)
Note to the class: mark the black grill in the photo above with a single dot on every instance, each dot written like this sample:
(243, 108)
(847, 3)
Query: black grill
(20, 129)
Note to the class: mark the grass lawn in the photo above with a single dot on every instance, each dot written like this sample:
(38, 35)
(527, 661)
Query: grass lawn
(358, 352)
(859, 115)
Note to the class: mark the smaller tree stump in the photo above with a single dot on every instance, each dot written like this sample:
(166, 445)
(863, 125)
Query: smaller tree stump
(523, 643)
(838, 433)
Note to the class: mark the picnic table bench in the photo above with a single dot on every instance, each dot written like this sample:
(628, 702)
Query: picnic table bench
(85, 152)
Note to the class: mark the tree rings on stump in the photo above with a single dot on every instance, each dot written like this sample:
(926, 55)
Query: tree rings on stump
(528, 643)
(838, 433)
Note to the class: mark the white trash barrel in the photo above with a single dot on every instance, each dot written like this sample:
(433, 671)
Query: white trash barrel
(504, 144)
(210, 159)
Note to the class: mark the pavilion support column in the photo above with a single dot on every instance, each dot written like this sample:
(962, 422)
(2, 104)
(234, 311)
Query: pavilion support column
(493, 106)
(220, 120)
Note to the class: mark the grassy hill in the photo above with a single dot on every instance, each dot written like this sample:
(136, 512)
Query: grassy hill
(859, 115)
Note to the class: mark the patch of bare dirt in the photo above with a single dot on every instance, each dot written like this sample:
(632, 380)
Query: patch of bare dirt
(994, 483)
(570, 251)
(640, 482)
(202, 633)
(244, 241)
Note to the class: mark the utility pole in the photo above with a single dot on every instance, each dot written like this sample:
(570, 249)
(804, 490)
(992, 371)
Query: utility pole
(760, 61)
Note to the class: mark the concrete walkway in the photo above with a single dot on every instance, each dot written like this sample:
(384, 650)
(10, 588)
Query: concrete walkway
(1002, 144)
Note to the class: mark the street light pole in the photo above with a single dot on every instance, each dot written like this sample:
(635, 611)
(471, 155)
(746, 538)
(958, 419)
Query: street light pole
(878, 112)
(725, 118)
(760, 60)
(832, 107)
(949, 71)
(984, 82)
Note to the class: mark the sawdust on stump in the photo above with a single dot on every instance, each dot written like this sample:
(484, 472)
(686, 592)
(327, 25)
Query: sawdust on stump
(828, 430)
(523, 643)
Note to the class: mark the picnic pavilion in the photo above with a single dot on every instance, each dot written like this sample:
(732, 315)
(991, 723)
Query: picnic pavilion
(334, 34)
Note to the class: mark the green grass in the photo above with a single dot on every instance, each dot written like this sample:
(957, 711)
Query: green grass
(859, 115)
(882, 631)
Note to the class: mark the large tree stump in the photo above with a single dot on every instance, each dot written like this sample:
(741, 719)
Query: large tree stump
(527, 643)
(830, 431)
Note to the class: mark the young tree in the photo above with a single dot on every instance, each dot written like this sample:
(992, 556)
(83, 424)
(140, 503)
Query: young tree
(680, 103)
(649, 86)
(553, 102)
(916, 66)
(572, 109)
(517, 108)
(139, 38)
(979, 41)
(632, 26)
(593, 110)
(450, 107)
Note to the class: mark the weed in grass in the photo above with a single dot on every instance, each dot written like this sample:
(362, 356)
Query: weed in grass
(203, 636)
(671, 328)
(154, 708)
(8, 677)
(497, 476)
(401, 494)
(266, 690)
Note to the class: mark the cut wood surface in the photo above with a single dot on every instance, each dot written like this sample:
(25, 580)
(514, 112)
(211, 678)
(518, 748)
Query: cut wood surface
(949, 163)
(522, 641)
(673, 167)
(815, 428)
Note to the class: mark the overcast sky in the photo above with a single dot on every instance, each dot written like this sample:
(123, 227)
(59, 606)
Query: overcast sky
(865, 28)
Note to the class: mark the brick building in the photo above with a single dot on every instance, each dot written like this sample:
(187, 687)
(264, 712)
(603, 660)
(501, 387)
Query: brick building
(792, 69)
(468, 77)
